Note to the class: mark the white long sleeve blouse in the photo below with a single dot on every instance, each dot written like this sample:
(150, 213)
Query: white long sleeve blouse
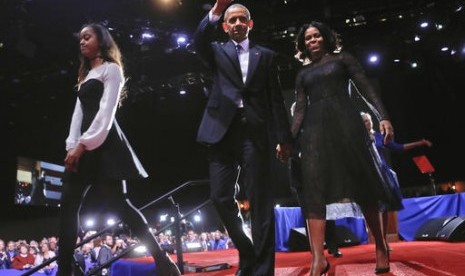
(111, 75)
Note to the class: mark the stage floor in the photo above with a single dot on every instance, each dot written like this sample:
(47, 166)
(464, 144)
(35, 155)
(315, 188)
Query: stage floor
(415, 258)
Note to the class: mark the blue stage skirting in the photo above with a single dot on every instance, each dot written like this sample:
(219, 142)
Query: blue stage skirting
(287, 218)
(419, 210)
(416, 212)
(16, 272)
(131, 268)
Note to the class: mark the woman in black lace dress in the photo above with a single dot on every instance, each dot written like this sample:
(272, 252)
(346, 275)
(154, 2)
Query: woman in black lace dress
(337, 164)
(99, 157)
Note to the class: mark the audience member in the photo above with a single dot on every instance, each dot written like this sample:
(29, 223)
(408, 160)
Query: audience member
(44, 255)
(24, 259)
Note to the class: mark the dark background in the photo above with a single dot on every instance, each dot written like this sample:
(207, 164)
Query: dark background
(38, 70)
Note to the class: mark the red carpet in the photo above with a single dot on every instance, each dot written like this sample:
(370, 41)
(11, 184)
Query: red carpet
(415, 258)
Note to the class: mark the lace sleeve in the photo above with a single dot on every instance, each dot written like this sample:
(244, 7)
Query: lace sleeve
(364, 87)
(299, 108)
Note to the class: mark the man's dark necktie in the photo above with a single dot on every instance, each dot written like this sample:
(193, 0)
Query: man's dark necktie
(238, 49)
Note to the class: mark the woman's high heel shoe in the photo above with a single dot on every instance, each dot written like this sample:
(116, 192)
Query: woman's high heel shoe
(382, 270)
(326, 270)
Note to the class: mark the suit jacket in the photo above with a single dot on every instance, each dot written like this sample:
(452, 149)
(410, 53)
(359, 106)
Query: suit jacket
(104, 255)
(261, 93)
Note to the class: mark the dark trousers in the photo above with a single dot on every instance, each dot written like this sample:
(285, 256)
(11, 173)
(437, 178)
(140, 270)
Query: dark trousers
(110, 191)
(331, 236)
(238, 149)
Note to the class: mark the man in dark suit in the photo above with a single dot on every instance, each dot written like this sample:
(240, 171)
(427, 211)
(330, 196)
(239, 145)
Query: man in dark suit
(105, 254)
(244, 120)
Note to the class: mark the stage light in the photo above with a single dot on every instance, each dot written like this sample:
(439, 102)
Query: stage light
(197, 218)
(416, 38)
(140, 249)
(90, 223)
(373, 59)
(110, 221)
(413, 64)
(181, 40)
(444, 49)
(182, 92)
(146, 35)
(166, 5)
(163, 217)
(424, 24)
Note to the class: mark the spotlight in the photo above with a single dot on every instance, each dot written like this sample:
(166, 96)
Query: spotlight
(163, 217)
(90, 223)
(141, 249)
(181, 40)
(373, 59)
(111, 221)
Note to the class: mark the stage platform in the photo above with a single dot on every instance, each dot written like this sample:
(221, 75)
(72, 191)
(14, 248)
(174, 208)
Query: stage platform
(416, 258)
(409, 257)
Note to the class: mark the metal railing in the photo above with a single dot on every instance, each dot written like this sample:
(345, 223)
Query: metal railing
(177, 222)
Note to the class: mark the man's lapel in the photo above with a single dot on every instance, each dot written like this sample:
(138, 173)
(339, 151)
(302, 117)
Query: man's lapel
(231, 53)
(254, 58)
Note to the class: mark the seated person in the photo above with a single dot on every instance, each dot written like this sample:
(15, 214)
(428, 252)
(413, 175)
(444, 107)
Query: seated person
(24, 259)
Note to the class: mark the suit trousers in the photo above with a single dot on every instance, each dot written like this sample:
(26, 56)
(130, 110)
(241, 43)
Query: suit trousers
(237, 148)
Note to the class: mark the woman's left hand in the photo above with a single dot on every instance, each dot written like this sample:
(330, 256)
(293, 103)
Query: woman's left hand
(73, 156)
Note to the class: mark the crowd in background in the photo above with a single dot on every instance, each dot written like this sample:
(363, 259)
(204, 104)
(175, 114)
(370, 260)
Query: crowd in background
(23, 255)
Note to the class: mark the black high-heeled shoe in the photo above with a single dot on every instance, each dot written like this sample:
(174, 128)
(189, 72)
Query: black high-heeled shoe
(326, 270)
(382, 270)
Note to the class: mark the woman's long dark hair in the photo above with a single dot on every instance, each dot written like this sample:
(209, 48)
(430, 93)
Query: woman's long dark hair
(330, 39)
(109, 51)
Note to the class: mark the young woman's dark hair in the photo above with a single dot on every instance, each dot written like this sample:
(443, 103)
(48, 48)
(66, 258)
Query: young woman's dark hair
(329, 38)
(109, 50)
